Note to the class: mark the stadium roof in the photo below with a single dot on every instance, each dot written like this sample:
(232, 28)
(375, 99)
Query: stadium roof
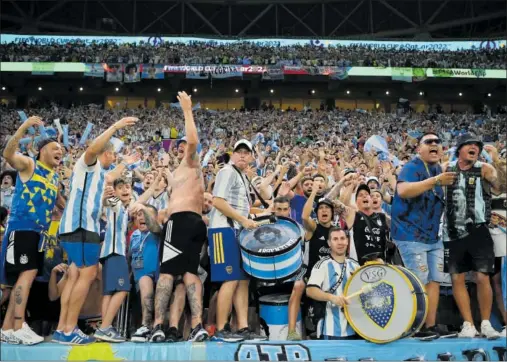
(365, 19)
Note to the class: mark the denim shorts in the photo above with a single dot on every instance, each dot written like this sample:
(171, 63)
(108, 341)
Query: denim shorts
(426, 261)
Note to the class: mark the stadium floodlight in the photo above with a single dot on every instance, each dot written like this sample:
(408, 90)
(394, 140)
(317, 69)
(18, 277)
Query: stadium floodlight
(236, 90)
(3, 88)
(159, 89)
(80, 89)
(195, 90)
(348, 92)
(271, 91)
(387, 92)
(421, 93)
(117, 89)
(489, 94)
(40, 88)
(460, 94)
(313, 91)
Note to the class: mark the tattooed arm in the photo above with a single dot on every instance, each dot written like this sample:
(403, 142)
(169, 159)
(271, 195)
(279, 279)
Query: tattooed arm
(151, 222)
(23, 164)
(490, 173)
(149, 218)
(192, 139)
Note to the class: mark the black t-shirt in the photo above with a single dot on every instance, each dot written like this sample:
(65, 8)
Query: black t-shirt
(368, 241)
(318, 247)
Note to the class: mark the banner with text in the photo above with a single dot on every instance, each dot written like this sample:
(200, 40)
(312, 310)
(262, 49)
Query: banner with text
(266, 42)
(43, 68)
(115, 71)
(402, 74)
(463, 349)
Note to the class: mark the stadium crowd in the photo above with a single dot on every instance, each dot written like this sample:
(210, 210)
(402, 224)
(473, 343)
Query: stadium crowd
(124, 195)
(246, 53)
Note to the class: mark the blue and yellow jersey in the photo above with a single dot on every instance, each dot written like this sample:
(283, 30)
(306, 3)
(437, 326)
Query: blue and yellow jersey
(34, 200)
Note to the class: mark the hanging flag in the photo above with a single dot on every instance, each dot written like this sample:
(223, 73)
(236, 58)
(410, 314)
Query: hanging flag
(65, 135)
(117, 143)
(86, 133)
(58, 125)
(23, 118)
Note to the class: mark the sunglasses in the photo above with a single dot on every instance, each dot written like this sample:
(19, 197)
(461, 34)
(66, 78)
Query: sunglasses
(436, 141)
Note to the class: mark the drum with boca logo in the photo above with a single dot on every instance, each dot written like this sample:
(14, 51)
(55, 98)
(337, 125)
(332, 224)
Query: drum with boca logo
(386, 302)
(272, 252)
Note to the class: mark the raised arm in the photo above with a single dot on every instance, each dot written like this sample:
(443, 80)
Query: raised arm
(98, 145)
(308, 223)
(23, 164)
(191, 156)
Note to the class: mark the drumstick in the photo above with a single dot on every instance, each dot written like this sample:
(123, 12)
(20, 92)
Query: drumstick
(365, 289)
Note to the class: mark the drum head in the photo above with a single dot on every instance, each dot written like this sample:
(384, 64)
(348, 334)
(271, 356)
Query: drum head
(388, 308)
(270, 237)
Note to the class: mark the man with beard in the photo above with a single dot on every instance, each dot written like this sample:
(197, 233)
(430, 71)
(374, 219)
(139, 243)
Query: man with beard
(184, 233)
(34, 198)
(466, 233)
(323, 277)
(416, 212)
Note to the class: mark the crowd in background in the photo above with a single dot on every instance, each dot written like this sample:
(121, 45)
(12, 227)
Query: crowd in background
(247, 53)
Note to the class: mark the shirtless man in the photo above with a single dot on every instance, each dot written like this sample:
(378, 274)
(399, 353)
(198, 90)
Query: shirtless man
(184, 233)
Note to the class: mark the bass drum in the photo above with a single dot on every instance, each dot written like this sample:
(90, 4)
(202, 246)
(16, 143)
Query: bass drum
(272, 252)
(393, 303)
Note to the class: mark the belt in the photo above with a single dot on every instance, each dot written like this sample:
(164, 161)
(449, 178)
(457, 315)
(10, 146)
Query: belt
(498, 204)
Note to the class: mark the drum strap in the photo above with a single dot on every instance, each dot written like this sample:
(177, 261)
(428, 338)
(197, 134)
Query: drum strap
(263, 202)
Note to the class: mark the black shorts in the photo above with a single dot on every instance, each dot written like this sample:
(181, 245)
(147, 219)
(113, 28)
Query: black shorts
(22, 254)
(474, 252)
(184, 236)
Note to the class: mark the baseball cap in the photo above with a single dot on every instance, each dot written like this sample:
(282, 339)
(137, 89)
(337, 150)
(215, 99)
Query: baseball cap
(324, 201)
(245, 143)
(43, 143)
(466, 139)
(372, 178)
(183, 139)
(361, 188)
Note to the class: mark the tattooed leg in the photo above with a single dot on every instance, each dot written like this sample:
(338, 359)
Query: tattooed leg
(162, 296)
(147, 300)
(177, 306)
(194, 295)
(20, 294)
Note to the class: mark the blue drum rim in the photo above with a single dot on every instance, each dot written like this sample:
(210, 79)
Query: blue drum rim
(408, 331)
(291, 244)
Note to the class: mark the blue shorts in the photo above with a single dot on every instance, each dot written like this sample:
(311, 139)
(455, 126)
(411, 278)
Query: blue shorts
(82, 247)
(115, 275)
(426, 261)
(81, 254)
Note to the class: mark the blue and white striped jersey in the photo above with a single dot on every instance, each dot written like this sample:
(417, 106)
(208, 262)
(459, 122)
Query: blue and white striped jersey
(115, 241)
(84, 207)
(325, 274)
(160, 202)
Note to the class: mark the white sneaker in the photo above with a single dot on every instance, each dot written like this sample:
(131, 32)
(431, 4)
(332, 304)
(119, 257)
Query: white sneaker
(8, 336)
(27, 336)
(503, 333)
(467, 330)
(488, 331)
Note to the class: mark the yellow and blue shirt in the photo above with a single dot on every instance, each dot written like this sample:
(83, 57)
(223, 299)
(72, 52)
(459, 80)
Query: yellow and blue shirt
(34, 200)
